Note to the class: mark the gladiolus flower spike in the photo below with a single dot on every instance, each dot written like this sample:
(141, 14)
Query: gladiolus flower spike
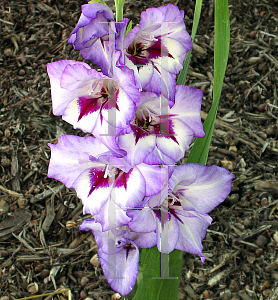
(138, 125)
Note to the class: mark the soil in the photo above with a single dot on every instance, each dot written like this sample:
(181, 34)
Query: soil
(42, 251)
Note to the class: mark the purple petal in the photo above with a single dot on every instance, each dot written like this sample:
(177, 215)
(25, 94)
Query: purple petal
(129, 189)
(100, 55)
(93, 193)
(167, 233)
(104, 217)
(211, 187)
(156, 178)
(107, 241)
(92, 24)
(187, 108)
(62, 97)
(192, 231)
(125, 264)
(136, 151)
(174, 143)
(146, 240)
(71, 157)
(77, 76)
(142, 220)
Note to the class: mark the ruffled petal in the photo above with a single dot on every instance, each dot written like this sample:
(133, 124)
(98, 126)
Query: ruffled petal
(192, 230)
(211, 187)
(62, 97)
(121, 269)
(93, 23)
(70, 157)
(187, 108)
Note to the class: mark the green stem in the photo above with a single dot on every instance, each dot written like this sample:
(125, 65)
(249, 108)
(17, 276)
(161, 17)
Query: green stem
(119, 4)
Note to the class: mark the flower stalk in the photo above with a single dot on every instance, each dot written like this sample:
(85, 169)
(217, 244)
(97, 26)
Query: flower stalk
(119, 5)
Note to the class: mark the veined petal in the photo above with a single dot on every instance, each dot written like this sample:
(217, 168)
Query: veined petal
(76, 76)
(96, 102)
(62, 97)
(100, 55)
(177, 141)
(143, 219)
(157, 157)
(211, 187)
(187, 108)
(146, 240)
(88, 121)
(158, 47)
(167, 234)
(110, 242)
(192, 230)
(93, 23)
(136, 150)
(110, 141)
(126, 265)
(71, 156)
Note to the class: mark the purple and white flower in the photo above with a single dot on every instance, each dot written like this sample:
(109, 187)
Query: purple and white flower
(180, 215)
(156, 48)
(85, 164)
(119, 254)
(160, 134)
(90, 100)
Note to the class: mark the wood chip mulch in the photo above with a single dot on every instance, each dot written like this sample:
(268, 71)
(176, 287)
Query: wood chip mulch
(43, 255)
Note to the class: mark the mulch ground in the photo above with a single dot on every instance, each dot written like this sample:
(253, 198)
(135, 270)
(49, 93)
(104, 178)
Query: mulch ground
(41, 248)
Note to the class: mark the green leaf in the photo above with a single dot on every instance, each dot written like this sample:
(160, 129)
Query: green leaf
(200, 150)
(97, 1)
(129, 27)
(197, 12)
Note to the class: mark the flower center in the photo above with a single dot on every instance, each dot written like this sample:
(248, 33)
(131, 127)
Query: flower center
(103, 96)
(145, 48)
(147, 120)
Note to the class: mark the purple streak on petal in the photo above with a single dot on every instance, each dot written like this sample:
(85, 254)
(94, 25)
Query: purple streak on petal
(158, 50)
(128, 248)
(141, 54)
(166, 131)
(122, 178)
(138, 132)
(87, 105)
(97, 180)
(157, 212)
(173, 212)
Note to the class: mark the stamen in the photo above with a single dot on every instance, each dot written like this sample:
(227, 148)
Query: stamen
(142, 114)
(173, 199)
(106, 171)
